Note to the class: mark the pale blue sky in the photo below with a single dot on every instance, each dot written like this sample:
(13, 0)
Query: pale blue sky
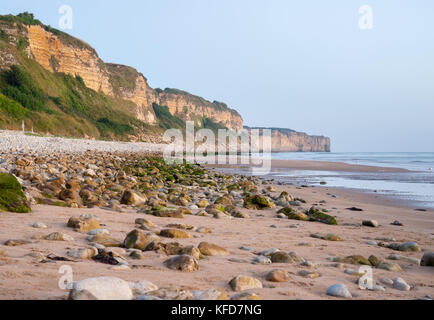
(303, 65)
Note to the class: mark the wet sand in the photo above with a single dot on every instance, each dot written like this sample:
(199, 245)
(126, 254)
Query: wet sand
(315, 166)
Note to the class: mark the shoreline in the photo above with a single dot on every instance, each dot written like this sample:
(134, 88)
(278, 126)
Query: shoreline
(316, 166)
(282, 166)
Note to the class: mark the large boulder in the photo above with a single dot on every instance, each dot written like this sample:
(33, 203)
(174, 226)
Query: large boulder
(278, 275)
(130, 198)
(427, 260)
(182, 263)
(83, 224)
(209, 249)
(12, 197)
(294, 215)
(339, 290)
(102, 288)
(242, 283)
(317, 215)
(258, 202)
(105, 240)
(139, 240)
(174, 233)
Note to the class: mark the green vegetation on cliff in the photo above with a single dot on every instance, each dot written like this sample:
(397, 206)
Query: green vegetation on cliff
(61, 104)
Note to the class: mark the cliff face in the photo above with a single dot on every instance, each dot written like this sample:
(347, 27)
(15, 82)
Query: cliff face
(285, 140)
(191, 107)
(72, 56)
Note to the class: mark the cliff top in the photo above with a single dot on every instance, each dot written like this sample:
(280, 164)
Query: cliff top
(28, 19)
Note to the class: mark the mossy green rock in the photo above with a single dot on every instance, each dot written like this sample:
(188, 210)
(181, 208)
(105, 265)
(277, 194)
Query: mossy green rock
(318, 216)
(294, 215)
(258, 202)
(356, 259)
(12, 197)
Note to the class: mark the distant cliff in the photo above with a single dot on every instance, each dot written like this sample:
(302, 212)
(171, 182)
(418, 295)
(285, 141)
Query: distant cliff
(286, 140)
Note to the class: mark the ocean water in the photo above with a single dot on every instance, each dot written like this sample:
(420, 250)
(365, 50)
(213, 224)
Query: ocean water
(415, 186)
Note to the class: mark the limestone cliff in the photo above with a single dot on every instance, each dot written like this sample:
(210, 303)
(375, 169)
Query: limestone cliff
(191, 107)
(58, 53)
(286, 140)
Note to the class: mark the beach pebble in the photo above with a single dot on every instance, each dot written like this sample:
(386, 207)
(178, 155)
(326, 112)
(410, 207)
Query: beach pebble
(386, 281)
(83, 253)
(370, 223)
(58, 236)
(410, 246)
(310, 264)
(339, 290)
(352, 272)
(210, 295)
(261, 260)
(244, 248)
(171, 293)
(309, 274)
(427, 260)
(245, 296)
(372, 243)
(182, 263)
(378, 288)
(282, 216)
(39, 225)
(278, 275)
(142, 287)
(393, 267)
(281, 257)
(210, 249)
(137, 255)
(241, 283)
(204, 230)
(408, 259)
(400, 284)
(269, 252)
(103, 288)
(98, 231)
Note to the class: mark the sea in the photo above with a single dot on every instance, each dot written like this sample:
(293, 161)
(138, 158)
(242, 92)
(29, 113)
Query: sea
(415, 186)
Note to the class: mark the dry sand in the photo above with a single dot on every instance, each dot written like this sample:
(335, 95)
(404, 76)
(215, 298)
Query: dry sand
(23, 277)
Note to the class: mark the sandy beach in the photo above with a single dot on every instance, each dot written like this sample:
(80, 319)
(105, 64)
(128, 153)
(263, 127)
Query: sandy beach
(25, 277)
(27, 272)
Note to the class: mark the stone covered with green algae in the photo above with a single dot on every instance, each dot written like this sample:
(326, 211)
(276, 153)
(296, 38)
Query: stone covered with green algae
(12, 197)
(319, 216)
(294, 215)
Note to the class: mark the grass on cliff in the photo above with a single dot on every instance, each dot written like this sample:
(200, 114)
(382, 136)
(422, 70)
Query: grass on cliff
(166, 120)
(61, 104)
